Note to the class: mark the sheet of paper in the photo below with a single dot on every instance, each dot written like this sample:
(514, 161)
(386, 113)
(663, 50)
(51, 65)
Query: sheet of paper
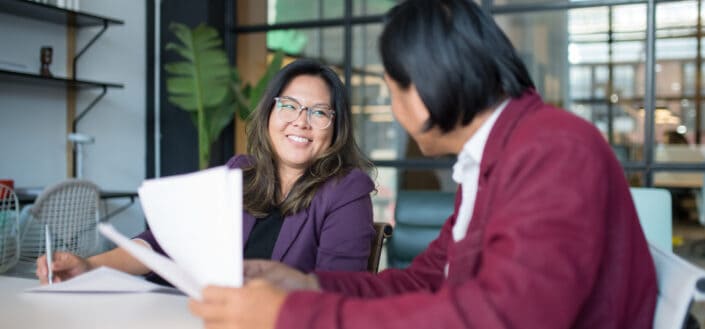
(104, 280)
(197, 220)
(161, 265)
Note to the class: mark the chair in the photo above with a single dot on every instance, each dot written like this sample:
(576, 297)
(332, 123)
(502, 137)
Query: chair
(653, 207)
(696, 247)
(679, 284)
(419, 216)
(9, 228)
(71, 210)
(382, 231)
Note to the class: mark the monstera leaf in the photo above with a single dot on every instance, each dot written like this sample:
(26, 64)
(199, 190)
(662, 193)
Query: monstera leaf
(204, 84)
(200, 82)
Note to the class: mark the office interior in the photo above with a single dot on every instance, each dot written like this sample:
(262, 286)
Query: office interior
(632, 68)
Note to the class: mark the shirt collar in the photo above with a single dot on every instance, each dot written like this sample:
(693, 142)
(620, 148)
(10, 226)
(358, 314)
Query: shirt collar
(471, 154)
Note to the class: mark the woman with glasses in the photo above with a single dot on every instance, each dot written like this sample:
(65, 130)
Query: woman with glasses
(306, 194)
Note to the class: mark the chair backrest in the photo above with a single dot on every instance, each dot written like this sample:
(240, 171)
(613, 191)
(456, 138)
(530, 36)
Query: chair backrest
(418, 216)
(679, 283)
(71, 209)
(653, 206)
(382, 231)
(9, 228)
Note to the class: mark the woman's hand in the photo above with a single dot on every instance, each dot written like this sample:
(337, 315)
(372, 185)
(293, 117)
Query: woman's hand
(280, 275)
(256, 305)
(65, 266)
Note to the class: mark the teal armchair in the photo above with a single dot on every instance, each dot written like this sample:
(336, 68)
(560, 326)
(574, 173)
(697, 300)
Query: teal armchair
(419, 216)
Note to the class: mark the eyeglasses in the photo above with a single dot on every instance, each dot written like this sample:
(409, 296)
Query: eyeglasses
(318, 116)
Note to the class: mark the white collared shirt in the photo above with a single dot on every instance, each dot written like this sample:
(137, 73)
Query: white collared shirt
(466, 172)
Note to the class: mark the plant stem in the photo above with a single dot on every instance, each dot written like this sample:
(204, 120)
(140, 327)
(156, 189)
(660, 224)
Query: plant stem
(203, 141)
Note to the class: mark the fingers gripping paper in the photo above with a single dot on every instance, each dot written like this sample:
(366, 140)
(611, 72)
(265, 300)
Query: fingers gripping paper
(197, 220)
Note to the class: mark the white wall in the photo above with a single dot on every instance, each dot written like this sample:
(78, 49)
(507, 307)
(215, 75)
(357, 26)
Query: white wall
(32, 118)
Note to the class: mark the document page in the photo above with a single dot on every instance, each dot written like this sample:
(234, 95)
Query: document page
(104, 280)
(197, 219)
(161, 265)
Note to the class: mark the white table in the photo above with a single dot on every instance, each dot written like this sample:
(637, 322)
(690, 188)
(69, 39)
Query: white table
(19, 309)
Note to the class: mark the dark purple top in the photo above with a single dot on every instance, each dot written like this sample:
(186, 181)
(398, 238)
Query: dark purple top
(333, 233)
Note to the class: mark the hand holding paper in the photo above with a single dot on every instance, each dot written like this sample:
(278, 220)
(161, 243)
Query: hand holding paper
(197, 220)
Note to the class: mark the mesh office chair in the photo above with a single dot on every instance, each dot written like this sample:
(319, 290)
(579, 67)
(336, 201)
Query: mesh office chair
(9, 228)
(71, 211)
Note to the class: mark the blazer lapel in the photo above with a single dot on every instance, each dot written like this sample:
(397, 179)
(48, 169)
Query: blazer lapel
(290, 230)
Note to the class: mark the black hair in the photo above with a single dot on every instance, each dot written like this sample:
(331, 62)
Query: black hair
(457, 57)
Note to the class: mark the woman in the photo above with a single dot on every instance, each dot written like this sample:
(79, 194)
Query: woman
(544, 233)
(306, 195)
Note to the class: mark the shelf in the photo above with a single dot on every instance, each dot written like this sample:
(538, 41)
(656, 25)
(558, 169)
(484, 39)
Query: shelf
(11, 76)
(53, 14)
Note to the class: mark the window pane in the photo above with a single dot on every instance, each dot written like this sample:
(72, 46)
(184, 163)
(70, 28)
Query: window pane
(582, 71)
(285, 11)
(677, 130)
(378, 135)
(325, 44)
(372, 7)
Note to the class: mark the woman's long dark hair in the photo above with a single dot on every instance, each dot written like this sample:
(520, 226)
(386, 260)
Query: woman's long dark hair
(261, 187)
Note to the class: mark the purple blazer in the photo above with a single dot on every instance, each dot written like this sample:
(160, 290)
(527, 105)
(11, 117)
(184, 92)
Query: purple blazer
(333, 233)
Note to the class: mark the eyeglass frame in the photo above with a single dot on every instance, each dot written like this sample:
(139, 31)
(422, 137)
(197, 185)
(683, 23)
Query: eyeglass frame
(300, 108)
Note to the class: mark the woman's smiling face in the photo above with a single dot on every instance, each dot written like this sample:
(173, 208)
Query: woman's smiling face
(296, 144)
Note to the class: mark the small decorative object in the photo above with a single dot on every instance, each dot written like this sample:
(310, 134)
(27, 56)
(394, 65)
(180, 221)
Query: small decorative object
(45, 57)
(9, 183)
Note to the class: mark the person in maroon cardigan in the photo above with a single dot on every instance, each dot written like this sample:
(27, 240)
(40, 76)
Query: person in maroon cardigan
(544, 232)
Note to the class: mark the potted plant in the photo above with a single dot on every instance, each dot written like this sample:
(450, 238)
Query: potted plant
(204, 84)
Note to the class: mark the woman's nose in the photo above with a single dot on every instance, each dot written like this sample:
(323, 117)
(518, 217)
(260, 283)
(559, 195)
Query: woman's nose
(302, 119)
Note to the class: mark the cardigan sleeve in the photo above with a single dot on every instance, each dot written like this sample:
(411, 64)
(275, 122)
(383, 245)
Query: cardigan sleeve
(426, 272)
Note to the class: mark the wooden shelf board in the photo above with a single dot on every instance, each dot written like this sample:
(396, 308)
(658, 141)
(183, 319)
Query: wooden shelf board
(53, 14)
(12, 76)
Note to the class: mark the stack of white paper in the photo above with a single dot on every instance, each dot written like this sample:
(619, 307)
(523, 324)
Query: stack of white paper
(197, 220)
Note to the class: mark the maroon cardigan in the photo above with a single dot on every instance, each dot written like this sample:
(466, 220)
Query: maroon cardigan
(554, 242)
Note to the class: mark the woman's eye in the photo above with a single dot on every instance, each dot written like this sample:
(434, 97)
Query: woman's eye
(319, 113)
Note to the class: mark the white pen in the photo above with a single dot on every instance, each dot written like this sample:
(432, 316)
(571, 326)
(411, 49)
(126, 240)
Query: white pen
(47, 241)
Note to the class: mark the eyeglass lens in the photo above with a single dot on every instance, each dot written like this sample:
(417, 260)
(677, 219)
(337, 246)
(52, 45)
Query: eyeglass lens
(318, 116)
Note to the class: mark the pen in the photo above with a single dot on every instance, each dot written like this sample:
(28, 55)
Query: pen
(47, 241)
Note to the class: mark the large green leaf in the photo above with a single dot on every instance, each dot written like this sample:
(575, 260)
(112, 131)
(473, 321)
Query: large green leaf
(200, 82)
(203, 83)
(220, 116)
(203, 76)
